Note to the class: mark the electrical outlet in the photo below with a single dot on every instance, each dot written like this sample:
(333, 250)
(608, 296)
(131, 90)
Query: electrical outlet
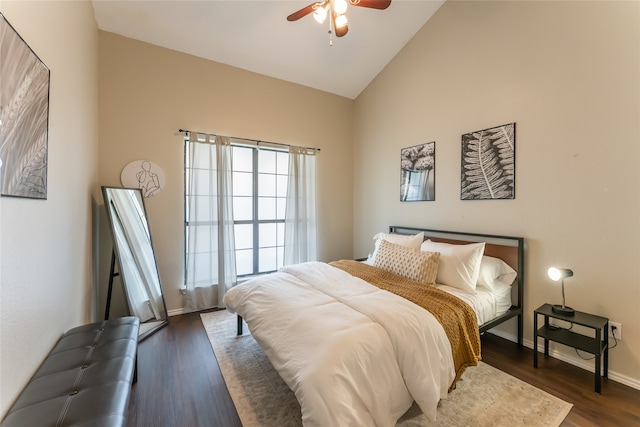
(617, 331)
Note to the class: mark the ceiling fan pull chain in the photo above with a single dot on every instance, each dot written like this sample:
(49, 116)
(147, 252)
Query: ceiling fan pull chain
(330, 33)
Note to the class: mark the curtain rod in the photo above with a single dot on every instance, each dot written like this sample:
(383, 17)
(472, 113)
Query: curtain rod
(257, 141)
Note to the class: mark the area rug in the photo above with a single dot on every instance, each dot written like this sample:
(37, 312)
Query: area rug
(485, 396)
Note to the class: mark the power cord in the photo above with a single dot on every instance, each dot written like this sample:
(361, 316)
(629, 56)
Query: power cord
(582, 357)
(557, 327)
(613, 333)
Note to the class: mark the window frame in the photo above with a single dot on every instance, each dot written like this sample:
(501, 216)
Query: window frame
(256, 222)
(255, 202)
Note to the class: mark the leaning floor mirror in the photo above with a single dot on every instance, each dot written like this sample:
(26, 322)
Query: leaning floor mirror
(136, 261)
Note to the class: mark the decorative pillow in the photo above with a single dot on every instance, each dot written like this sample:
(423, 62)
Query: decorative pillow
(411, 263)
(495, 273)
(408, 241)
(459, 264)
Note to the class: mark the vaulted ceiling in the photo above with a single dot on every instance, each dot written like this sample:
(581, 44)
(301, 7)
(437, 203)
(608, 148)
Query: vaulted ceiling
(254, 35)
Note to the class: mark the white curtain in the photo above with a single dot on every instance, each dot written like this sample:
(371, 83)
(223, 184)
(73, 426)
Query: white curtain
(210, 265)
(300, 241)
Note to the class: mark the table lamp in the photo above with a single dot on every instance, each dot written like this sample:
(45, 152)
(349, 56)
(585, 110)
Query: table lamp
(557, 274)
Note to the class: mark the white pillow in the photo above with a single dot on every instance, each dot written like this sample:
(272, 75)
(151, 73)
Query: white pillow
(495, 273)
(408, 241)
(459, 264)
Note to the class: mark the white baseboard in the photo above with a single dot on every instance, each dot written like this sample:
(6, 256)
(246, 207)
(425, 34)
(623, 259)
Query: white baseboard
(176, 312)
(572, 360)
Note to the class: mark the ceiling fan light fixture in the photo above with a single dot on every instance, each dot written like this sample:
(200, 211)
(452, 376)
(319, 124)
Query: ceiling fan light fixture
(338, 23)
(320, 14)
(340, 6)
(341, 21)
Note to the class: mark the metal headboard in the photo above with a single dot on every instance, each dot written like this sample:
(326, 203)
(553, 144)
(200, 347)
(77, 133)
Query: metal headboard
(508, 248)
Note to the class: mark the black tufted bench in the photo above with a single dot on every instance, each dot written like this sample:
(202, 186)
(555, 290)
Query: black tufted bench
(85, 381)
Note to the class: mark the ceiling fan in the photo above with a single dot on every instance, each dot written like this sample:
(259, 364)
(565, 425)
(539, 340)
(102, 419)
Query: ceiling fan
(337, 10)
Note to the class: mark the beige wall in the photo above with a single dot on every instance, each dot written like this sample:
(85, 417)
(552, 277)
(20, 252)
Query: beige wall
(147, 93)
(46, 246)
(568, 74)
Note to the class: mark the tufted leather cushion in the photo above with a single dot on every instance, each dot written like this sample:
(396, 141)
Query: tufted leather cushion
(85, 381)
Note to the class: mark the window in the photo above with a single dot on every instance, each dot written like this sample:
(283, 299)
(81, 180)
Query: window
(259, 201)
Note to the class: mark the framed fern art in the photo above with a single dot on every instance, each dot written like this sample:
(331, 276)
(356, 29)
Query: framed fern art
(488, 164)
(417, 173)
(24, 117)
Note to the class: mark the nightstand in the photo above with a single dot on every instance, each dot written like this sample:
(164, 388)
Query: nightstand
(597, 345)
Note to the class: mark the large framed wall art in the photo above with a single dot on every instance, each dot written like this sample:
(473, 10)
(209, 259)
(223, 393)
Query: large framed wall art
(24, 117)
(417, 173)
(488, 164)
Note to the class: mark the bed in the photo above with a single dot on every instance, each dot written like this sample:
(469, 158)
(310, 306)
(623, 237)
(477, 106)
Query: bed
(359, 342)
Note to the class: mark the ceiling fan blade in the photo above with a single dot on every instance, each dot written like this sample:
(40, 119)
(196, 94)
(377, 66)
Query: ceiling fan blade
(303, 12)
(342, 30)
(373, 4)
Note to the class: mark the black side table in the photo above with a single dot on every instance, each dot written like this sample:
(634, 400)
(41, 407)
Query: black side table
(597, 345)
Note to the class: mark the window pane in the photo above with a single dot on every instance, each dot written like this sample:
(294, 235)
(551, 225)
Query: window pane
(268, 235)
(243, 236)
(281, 185)
(280, 227)
(266, 185)
(266, 208)
(244, 262)
(242, 184)
(283, 163)
(281, 206)
(202, 238)
(203, 156)
(280, 250)
(242, 208)
(266, 161)
(268, 260)
(207, 272)
(205, 183)
(200, 210)
(242, 159)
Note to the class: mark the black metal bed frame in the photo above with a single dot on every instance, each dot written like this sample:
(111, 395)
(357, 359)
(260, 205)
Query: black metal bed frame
(517, 306)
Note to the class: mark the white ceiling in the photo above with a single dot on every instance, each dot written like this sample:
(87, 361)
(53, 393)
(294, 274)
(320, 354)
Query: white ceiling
(254, 35)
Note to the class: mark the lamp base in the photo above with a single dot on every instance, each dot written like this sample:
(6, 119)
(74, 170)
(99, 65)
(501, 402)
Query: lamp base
(567, 311)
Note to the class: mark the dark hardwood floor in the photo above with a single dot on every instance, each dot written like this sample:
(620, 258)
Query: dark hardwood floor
(179, 382)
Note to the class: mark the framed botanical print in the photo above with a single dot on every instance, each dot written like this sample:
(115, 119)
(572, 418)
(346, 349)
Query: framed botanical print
(417, 173)
(488, 163)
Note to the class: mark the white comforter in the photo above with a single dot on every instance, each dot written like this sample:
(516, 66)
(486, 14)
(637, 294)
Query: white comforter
(353, 354)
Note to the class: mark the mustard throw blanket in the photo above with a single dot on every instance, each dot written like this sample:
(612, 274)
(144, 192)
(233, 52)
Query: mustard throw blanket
(456, 317)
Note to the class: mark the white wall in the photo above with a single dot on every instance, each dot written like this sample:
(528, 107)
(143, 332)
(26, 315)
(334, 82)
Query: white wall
(568, 74)
(46, 248)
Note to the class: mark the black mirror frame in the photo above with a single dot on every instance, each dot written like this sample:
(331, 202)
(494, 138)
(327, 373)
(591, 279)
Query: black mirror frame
(116, 253)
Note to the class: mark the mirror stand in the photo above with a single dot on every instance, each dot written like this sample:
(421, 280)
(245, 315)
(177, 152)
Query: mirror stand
(112, 274)
(137, 265)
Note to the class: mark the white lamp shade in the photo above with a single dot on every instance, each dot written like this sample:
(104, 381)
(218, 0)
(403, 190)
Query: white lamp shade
(556, 274)
(340, 6)
(341, 21)
(320, 14)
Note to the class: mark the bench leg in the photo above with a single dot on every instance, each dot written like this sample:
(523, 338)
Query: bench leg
(135, 369)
